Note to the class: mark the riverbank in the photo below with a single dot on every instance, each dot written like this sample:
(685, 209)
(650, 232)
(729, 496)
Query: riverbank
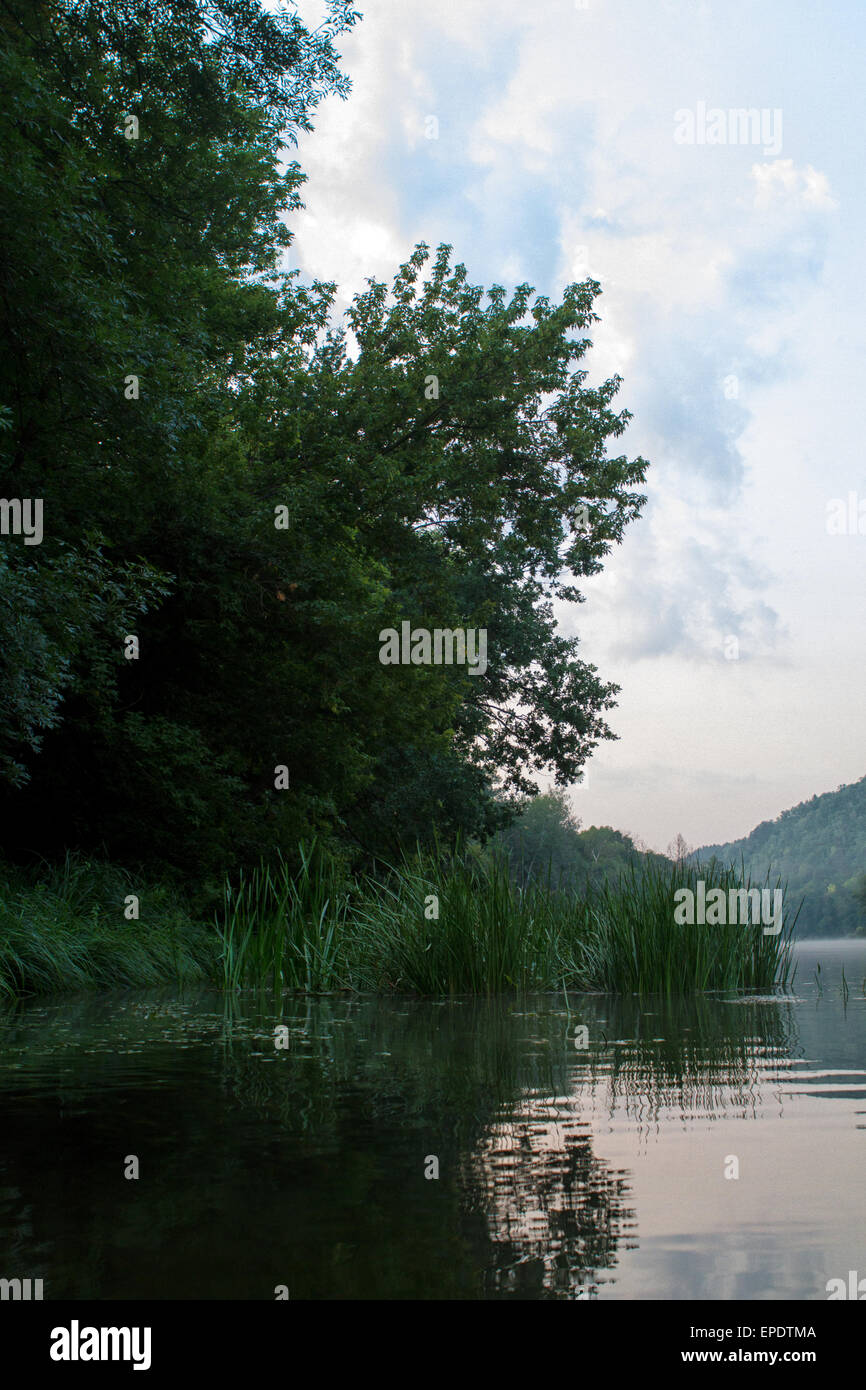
(64, 927)
(437, 926)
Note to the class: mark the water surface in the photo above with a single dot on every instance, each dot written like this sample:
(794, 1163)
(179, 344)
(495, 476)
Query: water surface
(565, 1170)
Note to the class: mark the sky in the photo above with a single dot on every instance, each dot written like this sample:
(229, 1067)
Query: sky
(552, 140)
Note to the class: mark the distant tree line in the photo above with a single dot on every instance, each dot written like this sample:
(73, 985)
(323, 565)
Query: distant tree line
(546, 842)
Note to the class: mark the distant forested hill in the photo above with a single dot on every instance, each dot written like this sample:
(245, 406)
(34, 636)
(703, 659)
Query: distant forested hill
(820, 848)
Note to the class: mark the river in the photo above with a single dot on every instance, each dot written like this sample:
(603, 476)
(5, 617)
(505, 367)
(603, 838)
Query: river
(157, 1145)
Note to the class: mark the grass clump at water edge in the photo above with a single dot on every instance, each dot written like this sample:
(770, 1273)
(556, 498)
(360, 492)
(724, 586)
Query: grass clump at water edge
(63, 927)
(436, 923)
(460, 924)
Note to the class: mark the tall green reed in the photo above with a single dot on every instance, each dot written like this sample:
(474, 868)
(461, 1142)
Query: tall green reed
(285, 930)
(635, 944)
(441, 924)
(437, 922)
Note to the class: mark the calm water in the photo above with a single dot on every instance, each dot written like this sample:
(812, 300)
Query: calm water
(564, 1171)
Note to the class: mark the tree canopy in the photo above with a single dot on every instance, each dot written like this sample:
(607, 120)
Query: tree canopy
(254, 491)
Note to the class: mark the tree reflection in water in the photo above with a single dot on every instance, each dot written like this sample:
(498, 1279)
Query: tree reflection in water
(305, 1166)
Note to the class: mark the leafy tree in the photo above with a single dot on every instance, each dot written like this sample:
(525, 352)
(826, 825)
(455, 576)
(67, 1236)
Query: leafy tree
(152, 257)
(466, 458)
(543, 838)
(262, 502)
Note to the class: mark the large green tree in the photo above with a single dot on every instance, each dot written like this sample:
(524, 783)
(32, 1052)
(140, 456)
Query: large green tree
(463, 455)
(144, 184)
(274, 490)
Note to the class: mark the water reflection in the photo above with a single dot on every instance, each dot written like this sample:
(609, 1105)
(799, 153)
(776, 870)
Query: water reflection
(563, 1169)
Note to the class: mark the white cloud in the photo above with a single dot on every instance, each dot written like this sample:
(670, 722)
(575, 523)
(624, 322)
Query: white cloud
(782, 183)
(556, 135)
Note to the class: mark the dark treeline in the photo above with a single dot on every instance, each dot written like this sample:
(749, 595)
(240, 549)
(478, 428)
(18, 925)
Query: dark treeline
(545, 843)
(229, 478)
